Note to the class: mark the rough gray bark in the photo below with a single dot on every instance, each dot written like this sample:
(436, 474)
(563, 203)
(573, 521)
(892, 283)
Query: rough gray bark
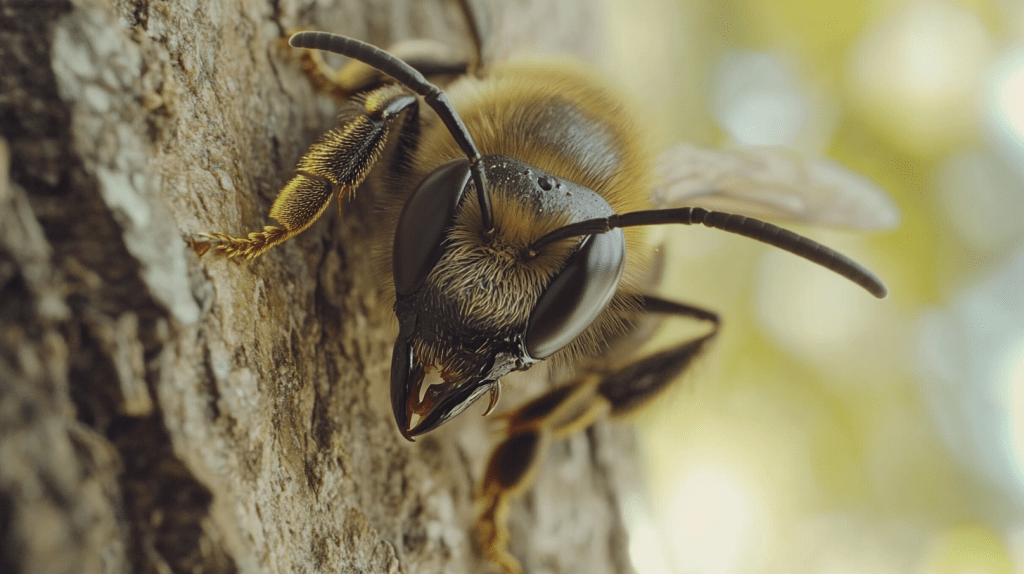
(162, 413)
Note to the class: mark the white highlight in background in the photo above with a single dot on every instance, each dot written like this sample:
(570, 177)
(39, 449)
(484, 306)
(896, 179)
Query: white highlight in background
(1004, 107)
(971, 367)
(1013, 385)
(916, 74)
(757, 99)
(715, 521)
(646, 540)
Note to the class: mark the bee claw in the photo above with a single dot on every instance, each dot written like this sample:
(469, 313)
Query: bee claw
(495, 394)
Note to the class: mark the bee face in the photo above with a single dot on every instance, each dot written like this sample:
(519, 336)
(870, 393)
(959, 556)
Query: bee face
(475, 308)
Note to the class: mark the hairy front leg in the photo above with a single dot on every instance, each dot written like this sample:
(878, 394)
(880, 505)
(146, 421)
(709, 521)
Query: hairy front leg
(337, 163)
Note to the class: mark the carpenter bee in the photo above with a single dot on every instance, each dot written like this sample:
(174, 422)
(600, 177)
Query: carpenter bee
(526, 191)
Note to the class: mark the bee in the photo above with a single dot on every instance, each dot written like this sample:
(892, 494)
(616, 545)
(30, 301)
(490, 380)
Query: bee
(526, 191)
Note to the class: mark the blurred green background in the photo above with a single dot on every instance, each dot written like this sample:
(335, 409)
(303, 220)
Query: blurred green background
(829, 432)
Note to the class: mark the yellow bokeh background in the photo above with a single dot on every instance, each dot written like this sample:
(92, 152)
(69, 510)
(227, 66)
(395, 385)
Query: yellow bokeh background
(827, 432)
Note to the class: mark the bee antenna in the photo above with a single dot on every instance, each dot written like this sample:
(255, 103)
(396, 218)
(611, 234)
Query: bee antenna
(747, 226)
(412, 79)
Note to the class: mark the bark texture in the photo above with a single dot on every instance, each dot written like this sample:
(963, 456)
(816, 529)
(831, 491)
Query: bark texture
(165, 413)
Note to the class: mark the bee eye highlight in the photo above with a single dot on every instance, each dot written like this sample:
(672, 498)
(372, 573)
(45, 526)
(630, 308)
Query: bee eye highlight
(426, 216)
(577, 295)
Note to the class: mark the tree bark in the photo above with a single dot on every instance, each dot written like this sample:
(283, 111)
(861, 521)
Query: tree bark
(165, 413)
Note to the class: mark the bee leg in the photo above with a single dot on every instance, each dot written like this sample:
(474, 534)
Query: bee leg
(509, 472)
(514, 462)
(569, 409)
(339, 160)
(427, 57)
(637, 384)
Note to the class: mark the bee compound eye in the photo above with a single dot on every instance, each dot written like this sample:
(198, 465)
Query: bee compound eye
(427, 215)
(577, 295)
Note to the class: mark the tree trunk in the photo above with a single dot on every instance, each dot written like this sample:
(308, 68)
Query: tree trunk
(165, 413)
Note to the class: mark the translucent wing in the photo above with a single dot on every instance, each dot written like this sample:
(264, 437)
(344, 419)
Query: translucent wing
(771, 183)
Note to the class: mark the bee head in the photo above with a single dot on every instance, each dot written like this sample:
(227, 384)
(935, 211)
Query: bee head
(473, 306)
